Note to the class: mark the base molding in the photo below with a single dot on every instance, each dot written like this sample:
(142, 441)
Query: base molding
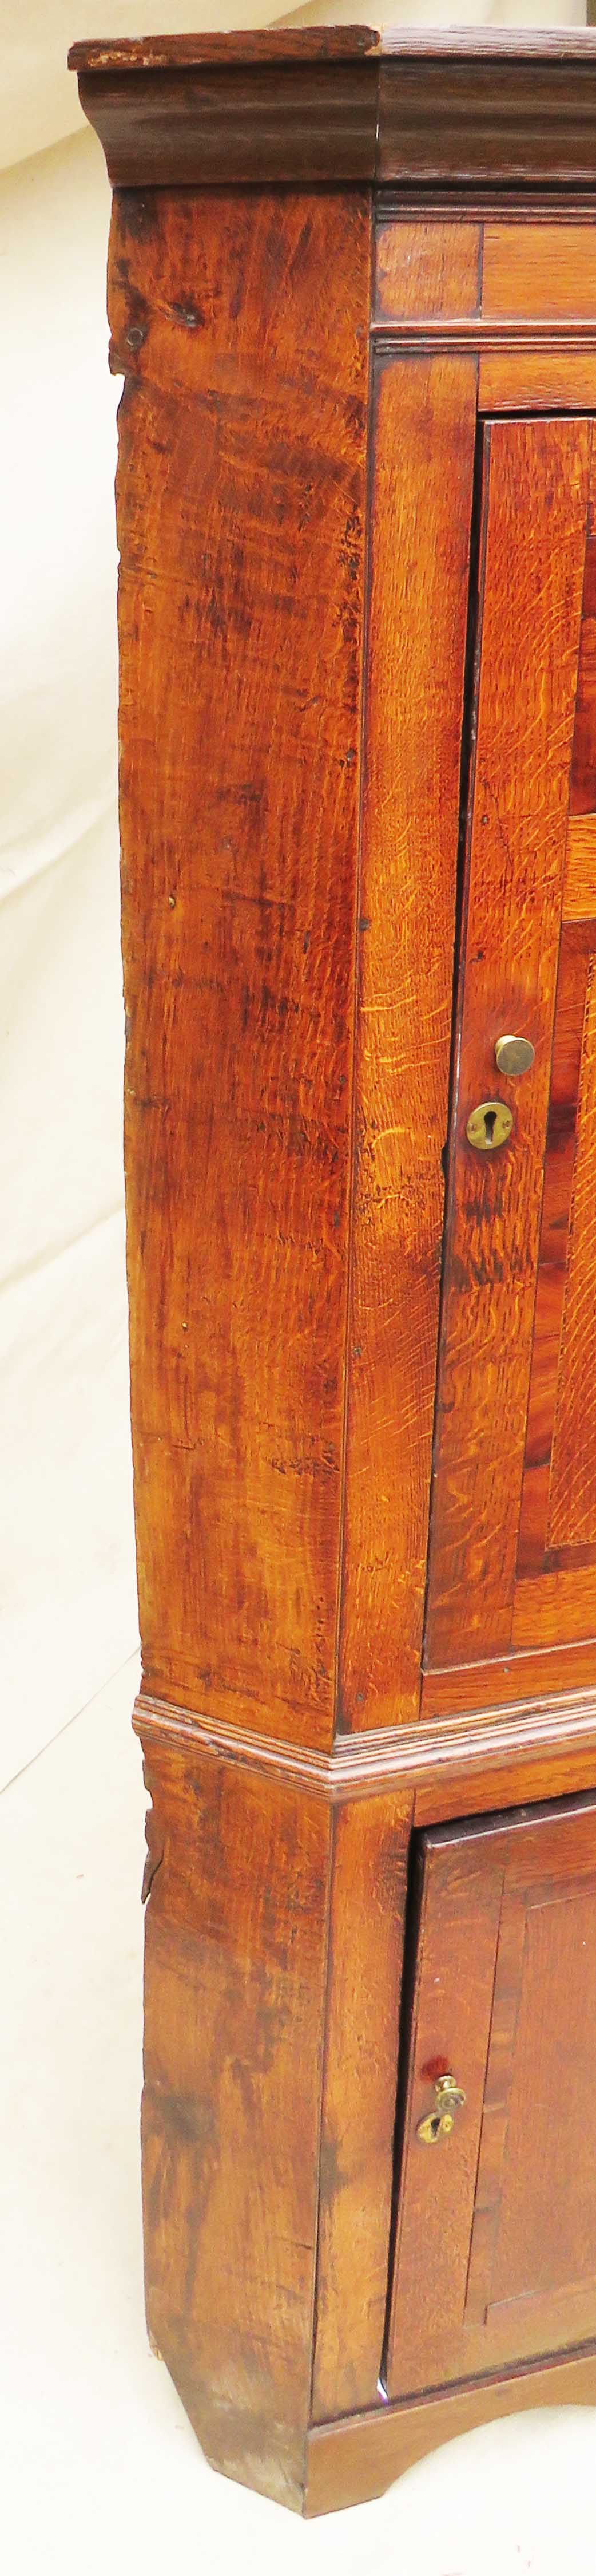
(359, 2456)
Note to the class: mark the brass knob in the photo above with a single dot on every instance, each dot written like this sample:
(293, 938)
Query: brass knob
(489, 1125)
(514, 1056)
(439, 2123)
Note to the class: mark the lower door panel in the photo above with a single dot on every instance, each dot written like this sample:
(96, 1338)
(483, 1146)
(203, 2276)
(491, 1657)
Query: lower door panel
(495, 2255)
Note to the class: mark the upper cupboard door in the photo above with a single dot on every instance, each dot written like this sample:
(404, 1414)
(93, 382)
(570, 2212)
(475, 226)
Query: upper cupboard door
(513, 1522)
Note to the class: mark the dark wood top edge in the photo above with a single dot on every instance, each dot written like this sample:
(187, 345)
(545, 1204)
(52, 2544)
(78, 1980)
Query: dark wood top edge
(403, 1757)
(243, 45)
(329, 44)
(415, 112)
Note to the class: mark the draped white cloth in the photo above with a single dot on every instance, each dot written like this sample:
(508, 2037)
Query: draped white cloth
(67, 1589)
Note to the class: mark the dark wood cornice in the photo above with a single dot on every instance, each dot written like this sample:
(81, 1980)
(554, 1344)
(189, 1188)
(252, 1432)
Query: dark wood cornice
(342, 105)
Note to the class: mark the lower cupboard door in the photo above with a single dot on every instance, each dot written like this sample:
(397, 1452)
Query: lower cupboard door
(495, 2254)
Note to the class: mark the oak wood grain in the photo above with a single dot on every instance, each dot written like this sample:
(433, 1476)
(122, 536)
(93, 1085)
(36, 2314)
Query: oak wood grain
(426, 270)
(507, 1907)
(367, 1906)
(516, 380)
(234, 1996)
(240, 511)
(357, 2458)
(579, 890)
(556, 1605)
(496, 1755)
(498, 1681)
(416, 648)
(456, 1938)
(547, 270)
(536, 481)
(572, 1496)
(577, 940)
(290, 906)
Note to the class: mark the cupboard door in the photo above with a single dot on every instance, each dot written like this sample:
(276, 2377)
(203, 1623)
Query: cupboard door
(495, 2256)
(512, 1560)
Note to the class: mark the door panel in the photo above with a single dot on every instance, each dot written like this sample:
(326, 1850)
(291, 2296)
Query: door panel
(514, 1487)
(495, 2255)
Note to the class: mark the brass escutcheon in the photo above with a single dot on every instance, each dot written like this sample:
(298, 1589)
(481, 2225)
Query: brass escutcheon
(438, 2124)
(489, 1125)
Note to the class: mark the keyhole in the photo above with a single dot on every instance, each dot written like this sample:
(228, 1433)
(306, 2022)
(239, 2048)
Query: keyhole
(490, 1120)
(435, 2123)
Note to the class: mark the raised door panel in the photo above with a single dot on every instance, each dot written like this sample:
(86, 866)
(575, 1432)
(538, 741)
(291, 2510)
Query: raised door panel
(495, 2255)
(513, 1524)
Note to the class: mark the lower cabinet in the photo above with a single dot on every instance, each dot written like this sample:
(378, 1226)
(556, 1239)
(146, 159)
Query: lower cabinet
(495, 2249)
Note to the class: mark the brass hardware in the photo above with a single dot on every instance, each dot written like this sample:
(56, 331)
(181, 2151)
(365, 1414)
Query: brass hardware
(439, 2123)
(514, 1056)
(489, 1125)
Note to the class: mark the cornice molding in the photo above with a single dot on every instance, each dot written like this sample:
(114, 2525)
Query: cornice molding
(344, 106)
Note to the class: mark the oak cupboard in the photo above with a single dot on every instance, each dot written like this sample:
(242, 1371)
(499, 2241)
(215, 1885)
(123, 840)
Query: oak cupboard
(353, 299)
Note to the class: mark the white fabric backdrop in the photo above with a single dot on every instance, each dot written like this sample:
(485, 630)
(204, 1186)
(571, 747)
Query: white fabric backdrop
(67, 1589)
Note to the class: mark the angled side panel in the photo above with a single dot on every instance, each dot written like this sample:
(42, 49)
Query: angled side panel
(243, 327)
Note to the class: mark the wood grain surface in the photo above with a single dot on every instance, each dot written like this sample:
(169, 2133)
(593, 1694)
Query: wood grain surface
(368, 1893)
(572, 1497)
(241, 528)
(518, 380)
(426, 270)
(234, 2007)
(560, 1242)
(505, 1993)
(546, 270)
(354, 2460)
(535, 503)
(317, 719)
(455, 107)
(415, 681)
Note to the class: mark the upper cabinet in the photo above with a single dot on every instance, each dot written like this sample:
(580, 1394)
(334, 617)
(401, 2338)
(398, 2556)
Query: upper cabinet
(513, 1526)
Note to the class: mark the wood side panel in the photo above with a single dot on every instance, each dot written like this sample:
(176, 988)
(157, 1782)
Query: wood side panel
(579, 891)
(513, 380)
(426, 270)
(234, 2014)
(540, 271)
(241, 501)
(422, 495)
(536, 491)
(352, 2461)
(368, 1892)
